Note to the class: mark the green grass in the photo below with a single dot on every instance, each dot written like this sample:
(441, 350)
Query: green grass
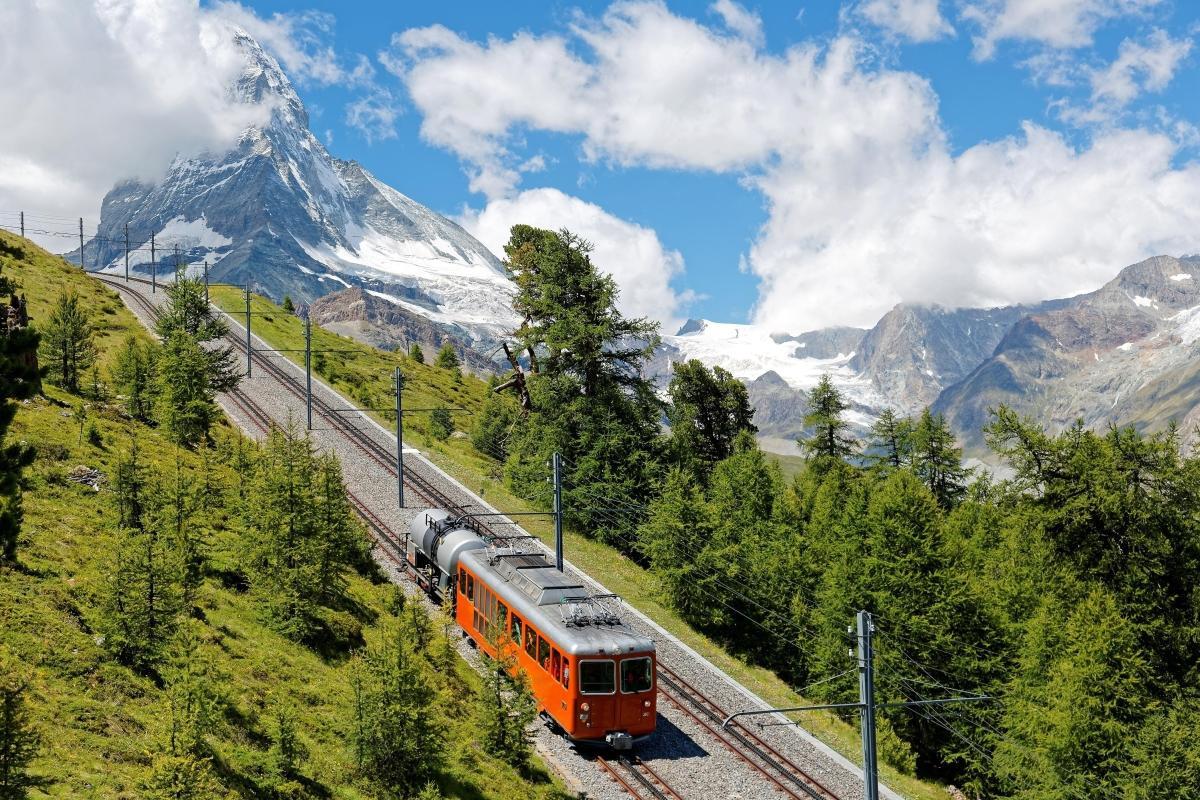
(426, 386)
(100, 722)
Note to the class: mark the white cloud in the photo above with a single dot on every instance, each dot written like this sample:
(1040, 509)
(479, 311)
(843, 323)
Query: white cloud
(374, 115)
(868, 205)
(1055, 23)
(1140, 66)
(742, 22)
(915, 20)
(630, 252)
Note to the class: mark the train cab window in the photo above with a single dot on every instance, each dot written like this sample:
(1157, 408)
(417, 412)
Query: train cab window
(555, 664)
(544, 654)
(515, 630)
(635, 675)
(597, 677)
(531, 642)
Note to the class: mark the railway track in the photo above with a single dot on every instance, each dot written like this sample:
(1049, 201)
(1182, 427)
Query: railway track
(637, 778)
(781, 771)
(633, 775)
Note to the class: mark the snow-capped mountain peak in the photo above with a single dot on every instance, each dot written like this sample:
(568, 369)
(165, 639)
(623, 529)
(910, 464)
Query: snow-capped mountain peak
(279, 211)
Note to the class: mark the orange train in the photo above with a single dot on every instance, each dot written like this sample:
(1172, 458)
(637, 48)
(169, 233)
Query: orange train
(591, 673)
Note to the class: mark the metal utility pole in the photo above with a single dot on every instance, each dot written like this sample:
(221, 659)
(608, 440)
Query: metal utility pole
(399, 438)
(248, 350)
(206, 281)
(866, 697)
(81, 264)
(308, 368)
(153, 268)
(127, 252)
(22, 224)
(177, 263)
(558, 513)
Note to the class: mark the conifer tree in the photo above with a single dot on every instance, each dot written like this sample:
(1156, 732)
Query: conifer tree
(828, 440)
(892, 439)
(187, 312)
(506, 708)
(180, 777)
(67, 343)
(936, 459)
(19, 742)
(185, 396)
(133, 377)
(340, 541)
(287, 751)
(447, 358)
(674, 538)
(441, 424)
(416, 353)
(399, 736)
(288, 306)
(709, 408)
(144, 595)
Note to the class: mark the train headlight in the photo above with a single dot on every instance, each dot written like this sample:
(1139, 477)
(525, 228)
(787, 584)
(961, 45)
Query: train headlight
(585, 708)
(646, 703)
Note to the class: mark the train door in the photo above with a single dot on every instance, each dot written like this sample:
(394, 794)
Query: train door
(636, 703)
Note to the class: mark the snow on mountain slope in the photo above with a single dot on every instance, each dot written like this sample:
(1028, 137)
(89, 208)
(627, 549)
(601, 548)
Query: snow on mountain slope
(749, 352)
(279, 211)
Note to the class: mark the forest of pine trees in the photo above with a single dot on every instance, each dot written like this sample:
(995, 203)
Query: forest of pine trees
(1064, 588)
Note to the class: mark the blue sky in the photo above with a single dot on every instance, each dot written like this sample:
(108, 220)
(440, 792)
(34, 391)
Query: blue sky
(795, 164)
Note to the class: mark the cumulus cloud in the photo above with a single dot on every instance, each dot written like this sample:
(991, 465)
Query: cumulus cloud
(915, 20)
(629, 252)
(1140, 66)
(868, 204)
(1054, 23)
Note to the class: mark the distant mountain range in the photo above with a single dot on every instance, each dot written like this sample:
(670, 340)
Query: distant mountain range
(279, 211)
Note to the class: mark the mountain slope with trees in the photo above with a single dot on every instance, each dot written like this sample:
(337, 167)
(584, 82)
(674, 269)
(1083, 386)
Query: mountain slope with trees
(177, 623)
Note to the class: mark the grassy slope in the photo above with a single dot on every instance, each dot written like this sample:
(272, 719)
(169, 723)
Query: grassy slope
(100, 721)
(426, 386)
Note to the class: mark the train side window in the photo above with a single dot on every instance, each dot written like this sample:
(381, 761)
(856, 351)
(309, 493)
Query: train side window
(597, 677)
(471, 587)
(566, 674)
(544, 654)
(555, 664)
(531, 642)
(515, 630)
(635, 675)
(501, 615)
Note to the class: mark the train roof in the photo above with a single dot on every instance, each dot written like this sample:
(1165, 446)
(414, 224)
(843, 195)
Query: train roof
(581, 623)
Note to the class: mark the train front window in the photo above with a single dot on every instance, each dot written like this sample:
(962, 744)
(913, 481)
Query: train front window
(597, 677)
(635, 675)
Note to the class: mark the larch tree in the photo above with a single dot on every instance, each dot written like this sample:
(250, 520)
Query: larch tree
(709, 408)
(68, 342)
(19, 741)
(828, 439)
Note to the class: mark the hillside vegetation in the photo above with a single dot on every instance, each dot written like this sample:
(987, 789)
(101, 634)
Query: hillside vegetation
(236, 702)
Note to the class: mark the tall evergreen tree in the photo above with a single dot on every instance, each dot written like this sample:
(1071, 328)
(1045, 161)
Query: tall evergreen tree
(828, 440)
(416, 353)
(398, 733)
(709, 408)
(133, 377)
(892, 439)
(506, 707)
(447, 358)
(184, 391)
(67, 345)
(936, 459)
(187, 312)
